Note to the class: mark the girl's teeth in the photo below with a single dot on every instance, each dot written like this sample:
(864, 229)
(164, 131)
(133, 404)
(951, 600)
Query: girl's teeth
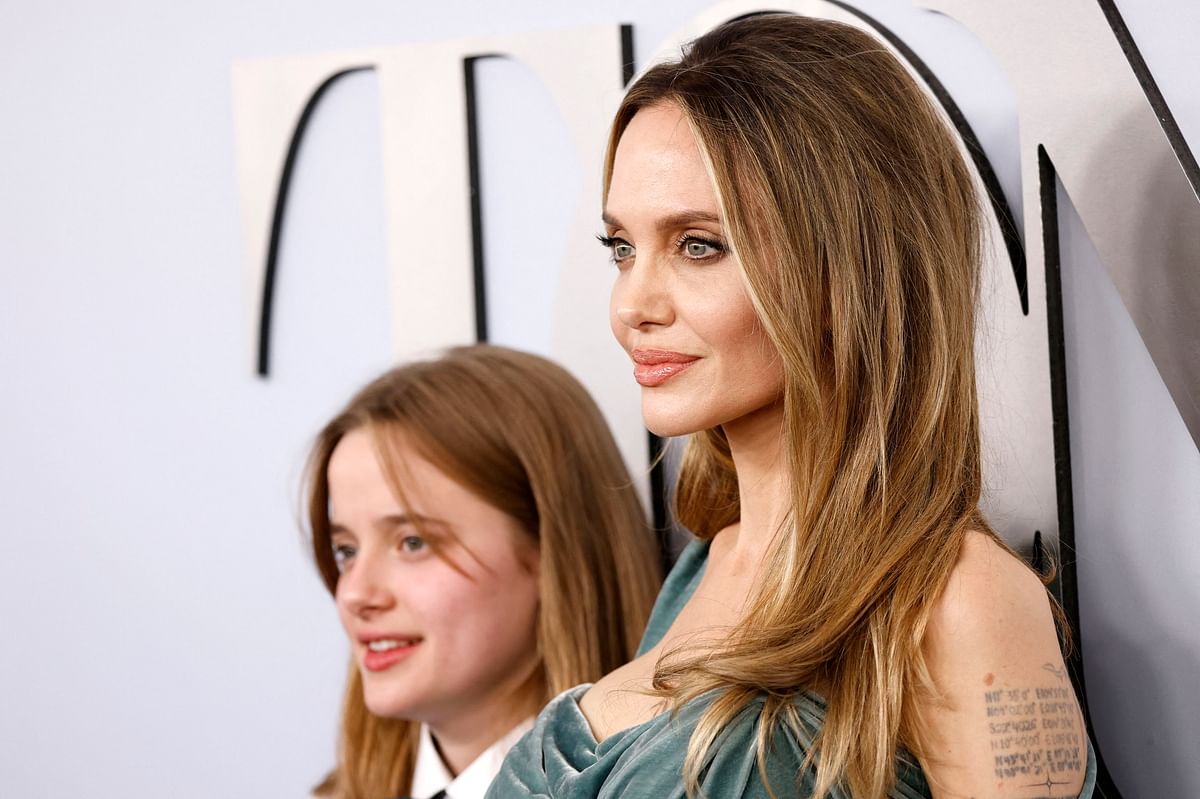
(384, 644)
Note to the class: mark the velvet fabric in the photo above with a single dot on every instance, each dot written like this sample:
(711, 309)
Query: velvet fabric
(561, 759)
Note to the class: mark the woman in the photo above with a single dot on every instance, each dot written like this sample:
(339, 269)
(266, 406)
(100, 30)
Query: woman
(797, 244)
(473, 519)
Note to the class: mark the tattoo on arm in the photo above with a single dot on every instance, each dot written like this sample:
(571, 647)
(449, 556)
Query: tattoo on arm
(1057, 671)
(1035, 735)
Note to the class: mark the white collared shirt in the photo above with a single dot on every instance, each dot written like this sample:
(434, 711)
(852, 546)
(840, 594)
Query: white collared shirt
(431, 774)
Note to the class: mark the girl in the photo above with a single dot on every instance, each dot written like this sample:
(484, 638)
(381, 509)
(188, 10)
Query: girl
(475, 523)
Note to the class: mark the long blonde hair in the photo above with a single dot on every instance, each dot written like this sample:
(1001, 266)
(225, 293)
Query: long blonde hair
(858, 230)
(524, 436)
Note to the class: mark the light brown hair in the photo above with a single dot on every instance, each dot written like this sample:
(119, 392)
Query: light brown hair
(858, 229)
(524, 436)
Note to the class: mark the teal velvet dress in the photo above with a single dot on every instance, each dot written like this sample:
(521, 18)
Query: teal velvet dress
(561, 759)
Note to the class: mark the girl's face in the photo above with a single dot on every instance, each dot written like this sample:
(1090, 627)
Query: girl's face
(441, 620)
(679, 307)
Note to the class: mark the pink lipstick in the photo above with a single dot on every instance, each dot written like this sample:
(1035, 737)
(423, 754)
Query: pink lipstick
(655, 367)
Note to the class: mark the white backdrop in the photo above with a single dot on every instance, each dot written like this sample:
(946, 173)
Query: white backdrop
(162, 631)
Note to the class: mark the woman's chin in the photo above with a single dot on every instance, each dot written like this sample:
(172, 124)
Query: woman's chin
(669, 425)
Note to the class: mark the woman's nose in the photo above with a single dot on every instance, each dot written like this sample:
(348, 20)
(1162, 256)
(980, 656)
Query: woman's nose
(641, 296)
(630, 317)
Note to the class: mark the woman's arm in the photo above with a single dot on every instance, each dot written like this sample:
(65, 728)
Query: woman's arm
(1008, 723)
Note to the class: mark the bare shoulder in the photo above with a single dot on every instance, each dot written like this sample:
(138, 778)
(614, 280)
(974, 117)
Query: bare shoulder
(1005, 719)
(990, 596)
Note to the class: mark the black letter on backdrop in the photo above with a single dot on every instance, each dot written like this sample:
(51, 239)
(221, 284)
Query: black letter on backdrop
(481, 326)
(285, 180)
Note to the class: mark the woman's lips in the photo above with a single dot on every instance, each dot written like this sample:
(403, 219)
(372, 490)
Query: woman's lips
(397, 650)
(655, 367)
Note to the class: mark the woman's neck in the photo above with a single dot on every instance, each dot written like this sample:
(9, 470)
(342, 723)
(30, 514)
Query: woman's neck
(465, 736)
(756, 443)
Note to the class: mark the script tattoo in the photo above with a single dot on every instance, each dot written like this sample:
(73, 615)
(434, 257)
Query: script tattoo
(1035, 735)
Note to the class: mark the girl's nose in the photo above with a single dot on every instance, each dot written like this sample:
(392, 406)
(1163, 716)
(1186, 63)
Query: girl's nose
(362, 588)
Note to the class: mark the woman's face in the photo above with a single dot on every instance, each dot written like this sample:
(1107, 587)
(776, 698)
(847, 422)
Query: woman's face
(441, 620)
(679, 307)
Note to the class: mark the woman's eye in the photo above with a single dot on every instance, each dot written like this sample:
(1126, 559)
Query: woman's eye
(621, 249)
(342, 555)
(700, 249)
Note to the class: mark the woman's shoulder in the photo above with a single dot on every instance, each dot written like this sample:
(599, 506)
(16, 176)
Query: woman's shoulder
(559, 744)
(992, 623)
(989, 595)
(1002, 714)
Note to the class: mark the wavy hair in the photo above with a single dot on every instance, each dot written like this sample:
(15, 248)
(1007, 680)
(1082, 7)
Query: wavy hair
(524, 436)
(857, 225)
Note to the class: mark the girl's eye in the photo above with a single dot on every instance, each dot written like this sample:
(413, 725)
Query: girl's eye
(342, 555)
(700, 249)
(412, 543)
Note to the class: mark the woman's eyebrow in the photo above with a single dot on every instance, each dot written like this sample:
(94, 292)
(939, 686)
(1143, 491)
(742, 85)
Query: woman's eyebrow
(671, 221)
